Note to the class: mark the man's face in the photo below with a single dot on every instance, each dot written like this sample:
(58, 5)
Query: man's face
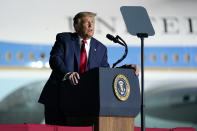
(86, 27)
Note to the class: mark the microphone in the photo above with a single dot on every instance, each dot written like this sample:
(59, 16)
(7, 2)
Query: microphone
(119, 40)
(112, 38)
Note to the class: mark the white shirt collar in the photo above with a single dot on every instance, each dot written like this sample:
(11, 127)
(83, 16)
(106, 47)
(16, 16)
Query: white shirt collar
(88, 41)
(87, 45)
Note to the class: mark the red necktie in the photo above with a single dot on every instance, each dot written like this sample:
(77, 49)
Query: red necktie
(83, 57)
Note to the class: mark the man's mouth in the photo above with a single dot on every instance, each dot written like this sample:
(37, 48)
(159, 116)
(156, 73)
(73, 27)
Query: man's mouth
(90, 30)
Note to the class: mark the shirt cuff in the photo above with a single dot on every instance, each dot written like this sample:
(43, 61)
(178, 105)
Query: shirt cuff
(66, 76)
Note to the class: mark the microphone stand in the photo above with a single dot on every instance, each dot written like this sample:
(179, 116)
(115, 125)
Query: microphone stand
(142, 36)
(123, 43)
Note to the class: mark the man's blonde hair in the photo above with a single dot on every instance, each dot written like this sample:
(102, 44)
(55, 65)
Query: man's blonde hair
(78, 16)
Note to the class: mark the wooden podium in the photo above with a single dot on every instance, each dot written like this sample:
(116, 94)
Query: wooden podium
(110, 123)
(108, 98)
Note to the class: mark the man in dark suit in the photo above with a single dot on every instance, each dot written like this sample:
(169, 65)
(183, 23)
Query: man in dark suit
(72, 53)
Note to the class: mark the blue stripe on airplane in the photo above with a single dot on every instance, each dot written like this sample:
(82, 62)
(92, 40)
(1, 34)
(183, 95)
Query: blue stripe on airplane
(14, 54)
(158, 56)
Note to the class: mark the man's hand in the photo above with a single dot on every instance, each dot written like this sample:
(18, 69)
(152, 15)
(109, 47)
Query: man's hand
(133, 66)
(73, 78)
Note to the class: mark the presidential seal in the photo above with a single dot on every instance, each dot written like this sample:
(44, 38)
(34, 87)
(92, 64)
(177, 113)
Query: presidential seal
(121, 87)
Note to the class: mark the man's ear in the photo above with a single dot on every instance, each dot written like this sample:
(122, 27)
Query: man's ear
(76, 26)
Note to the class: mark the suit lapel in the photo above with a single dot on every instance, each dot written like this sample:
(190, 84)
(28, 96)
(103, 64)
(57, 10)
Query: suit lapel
(76, 47)
(92, 52)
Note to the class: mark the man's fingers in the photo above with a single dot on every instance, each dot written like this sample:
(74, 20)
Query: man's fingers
(75, 80)
(136, 69)
(71, 79)
(74, 77)
(78, 77)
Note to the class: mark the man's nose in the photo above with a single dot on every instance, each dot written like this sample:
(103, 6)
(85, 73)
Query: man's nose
(90, 24)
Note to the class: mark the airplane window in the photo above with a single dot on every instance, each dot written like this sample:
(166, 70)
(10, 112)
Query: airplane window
(42, 56)
(20, 56)
(164, 57)
(8, 56)
(186, 58)
(175, 58)
(31, 56)
(153, 57)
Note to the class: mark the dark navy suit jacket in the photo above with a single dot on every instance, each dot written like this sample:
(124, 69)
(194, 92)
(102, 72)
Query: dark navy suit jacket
(64, 58)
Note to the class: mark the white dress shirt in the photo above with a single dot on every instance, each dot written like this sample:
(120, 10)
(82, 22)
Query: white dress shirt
(87, 45)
